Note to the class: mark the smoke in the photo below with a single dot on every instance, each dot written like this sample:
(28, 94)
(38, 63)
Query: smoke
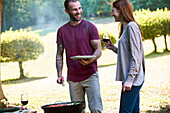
(51, 13)
(40, 21)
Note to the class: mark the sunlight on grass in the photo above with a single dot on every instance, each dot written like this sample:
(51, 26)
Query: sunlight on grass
(155, 92)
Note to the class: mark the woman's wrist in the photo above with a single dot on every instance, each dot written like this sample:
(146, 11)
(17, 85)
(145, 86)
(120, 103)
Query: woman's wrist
(114, 48)
(127, 84)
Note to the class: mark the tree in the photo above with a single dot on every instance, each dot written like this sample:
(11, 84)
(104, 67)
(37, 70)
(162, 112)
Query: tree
(20, 46)
(24, 13)
(164, 24)
(96, 8)
(154, 24)
(149, 25)
(15, 14)
(2, 96)
(151, 4)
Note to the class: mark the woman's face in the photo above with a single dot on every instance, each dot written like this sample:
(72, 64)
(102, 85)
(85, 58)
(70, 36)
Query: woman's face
(116, 14)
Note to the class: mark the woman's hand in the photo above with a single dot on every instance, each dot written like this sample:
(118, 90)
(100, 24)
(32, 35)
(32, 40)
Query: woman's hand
(127, 86)
(110, 45)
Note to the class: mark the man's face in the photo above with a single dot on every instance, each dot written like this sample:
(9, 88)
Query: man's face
(75, 11)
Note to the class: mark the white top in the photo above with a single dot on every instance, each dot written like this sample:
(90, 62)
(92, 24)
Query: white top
(130, 59)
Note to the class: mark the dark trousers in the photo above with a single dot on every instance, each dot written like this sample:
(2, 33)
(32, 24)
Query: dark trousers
(130, 100)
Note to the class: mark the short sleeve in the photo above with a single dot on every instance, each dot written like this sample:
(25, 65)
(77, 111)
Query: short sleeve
(59, 37)
(93, 32)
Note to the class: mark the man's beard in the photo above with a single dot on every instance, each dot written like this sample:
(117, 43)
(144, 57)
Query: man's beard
(73, 18)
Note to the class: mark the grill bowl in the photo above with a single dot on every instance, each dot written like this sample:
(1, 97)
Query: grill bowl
(67, 107)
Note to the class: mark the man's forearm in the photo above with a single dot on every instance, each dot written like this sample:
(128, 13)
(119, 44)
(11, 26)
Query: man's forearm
(59, 64)
(59, 59)
(98, 51)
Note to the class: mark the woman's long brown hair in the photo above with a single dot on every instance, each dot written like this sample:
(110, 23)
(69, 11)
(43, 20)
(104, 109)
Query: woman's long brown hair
(126, 10)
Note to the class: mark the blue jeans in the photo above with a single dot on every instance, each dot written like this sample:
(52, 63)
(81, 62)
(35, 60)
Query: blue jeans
(130, 100)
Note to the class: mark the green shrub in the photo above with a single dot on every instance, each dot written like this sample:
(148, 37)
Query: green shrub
(153, 23)
(20, 46)
(164, 26)
(112, 38)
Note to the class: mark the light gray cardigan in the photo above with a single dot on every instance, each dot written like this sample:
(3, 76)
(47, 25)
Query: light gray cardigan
(130, 59)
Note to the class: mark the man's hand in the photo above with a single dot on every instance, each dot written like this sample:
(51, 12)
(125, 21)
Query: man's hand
(127, 86)
(85, 62)
(60, 80)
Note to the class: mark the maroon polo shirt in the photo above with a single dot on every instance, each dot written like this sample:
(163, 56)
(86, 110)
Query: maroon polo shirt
(76, 41)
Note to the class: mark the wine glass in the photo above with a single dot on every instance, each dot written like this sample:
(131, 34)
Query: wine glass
(24, 99)
(105, 38)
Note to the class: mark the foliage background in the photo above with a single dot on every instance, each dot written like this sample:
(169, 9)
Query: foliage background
(23, 13)
(42, 88)
(39, 16)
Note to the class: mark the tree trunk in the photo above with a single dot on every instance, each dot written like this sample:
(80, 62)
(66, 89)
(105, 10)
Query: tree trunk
(154, 43)
(166, 46)
(21, 70)
(2, 96)
(4, 19)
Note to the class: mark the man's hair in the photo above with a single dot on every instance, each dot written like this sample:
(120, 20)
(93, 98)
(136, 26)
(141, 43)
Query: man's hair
(67, 2)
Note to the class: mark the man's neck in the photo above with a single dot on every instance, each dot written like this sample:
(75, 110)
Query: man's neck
(74, 23)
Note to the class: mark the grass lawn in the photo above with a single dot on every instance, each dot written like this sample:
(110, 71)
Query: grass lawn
(42, 88)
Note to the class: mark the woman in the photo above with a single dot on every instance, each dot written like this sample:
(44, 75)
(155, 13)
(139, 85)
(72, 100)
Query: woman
(130, 59)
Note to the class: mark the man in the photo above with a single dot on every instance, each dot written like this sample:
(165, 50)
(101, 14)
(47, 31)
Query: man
(79, 37)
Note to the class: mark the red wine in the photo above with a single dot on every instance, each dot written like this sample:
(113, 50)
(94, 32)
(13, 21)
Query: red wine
(24, 102)
(105, 40)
